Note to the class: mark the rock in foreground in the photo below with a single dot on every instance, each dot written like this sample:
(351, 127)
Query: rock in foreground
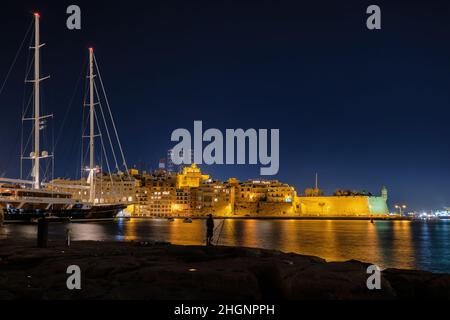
(163, 271)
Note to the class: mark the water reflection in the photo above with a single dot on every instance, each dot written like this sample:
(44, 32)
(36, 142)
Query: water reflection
(400, 244)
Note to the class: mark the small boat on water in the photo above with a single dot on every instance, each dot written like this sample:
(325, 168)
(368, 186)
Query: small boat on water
(187, 220)
(171, 219)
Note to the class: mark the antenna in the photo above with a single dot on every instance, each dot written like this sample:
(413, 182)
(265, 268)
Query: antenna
(317, 181)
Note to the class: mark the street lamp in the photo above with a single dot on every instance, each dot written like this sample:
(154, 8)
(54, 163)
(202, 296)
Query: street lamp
(400, 208)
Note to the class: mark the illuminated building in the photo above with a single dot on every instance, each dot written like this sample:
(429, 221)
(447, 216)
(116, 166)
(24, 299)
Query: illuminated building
(191, 177)
(281, 192)
(191, 193)
(157, 194)
(108, 188)
(253, 191)
(182, 205)
(213, 197)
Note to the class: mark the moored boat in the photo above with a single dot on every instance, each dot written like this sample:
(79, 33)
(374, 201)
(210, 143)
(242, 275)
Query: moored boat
(28, 200)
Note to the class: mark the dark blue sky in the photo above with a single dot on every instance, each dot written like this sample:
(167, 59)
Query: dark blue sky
(362, 108)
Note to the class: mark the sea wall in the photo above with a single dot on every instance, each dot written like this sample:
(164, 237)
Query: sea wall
(326, 206)
(316, 206)
(340, 206)
(263, 208)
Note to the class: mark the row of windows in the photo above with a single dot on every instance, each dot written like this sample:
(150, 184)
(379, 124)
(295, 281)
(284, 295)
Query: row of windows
(172, 185)
(43, 195)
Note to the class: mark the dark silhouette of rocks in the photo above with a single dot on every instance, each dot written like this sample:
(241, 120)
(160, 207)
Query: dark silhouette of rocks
(163, 271)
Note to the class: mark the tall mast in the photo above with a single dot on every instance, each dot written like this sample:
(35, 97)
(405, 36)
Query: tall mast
(36, 152)
(91, 132)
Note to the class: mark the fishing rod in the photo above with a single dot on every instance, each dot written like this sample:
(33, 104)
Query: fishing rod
(220, 233)
(216, 228)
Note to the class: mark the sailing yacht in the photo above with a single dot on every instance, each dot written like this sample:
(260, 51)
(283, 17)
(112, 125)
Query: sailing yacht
(27, 200)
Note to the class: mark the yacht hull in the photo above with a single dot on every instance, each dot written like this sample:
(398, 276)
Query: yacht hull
(96, 213)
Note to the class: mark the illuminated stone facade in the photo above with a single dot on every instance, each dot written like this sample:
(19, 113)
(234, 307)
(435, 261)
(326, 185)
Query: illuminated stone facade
(156, 195)
(213, 197)
(112, 188)
(191, 193)
(191, 177)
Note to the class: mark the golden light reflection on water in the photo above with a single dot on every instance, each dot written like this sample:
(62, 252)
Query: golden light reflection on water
(185, 233)
(86, 231)
(400, 244)
(335, 240)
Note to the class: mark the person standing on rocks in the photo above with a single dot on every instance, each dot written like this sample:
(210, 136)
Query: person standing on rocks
(209, 229)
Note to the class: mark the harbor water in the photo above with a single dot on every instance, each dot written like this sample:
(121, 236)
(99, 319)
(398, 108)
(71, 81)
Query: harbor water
(423, 245)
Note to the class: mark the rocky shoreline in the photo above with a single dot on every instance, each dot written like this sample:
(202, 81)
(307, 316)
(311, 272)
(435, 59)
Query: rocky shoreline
(143, 270)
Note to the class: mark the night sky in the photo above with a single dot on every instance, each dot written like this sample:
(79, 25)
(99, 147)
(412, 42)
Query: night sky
(362, 108)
